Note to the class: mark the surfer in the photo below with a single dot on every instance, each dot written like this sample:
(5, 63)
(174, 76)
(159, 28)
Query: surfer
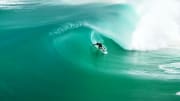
(100, 46)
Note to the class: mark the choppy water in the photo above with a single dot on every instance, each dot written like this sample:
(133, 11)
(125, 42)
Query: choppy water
(46, 53)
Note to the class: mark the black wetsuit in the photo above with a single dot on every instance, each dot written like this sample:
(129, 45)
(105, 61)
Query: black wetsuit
(99, 45)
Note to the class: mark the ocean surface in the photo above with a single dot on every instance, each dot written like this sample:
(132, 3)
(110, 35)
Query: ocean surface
(46, 51)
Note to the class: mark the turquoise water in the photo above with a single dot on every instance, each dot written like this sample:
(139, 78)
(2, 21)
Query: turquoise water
(46, 54)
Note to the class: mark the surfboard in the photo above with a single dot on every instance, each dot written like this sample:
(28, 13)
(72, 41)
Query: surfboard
(96, 38)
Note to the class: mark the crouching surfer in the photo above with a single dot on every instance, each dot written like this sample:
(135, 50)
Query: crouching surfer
(100, 46)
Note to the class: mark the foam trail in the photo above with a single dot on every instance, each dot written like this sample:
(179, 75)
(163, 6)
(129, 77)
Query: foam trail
(178, 93)
(172, 68)
(18, 4)
(10, 1)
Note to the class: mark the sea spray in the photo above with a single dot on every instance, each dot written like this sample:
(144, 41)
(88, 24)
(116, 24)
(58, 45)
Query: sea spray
(158, 27)
(65, 27)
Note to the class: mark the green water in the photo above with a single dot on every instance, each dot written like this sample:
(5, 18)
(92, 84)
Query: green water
(39, 61)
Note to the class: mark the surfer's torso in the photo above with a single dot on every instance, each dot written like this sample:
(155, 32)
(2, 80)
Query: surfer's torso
(99, 45)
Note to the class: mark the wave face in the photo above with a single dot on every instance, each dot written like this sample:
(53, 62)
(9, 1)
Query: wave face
(116, 22)
(134, 25)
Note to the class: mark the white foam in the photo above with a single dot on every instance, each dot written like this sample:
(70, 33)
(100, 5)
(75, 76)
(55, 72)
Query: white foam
(178, 93)
(158, 27)
(11, 4)
(172, 68)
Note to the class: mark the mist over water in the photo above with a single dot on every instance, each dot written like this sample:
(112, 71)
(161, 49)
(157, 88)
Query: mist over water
(159, 26)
